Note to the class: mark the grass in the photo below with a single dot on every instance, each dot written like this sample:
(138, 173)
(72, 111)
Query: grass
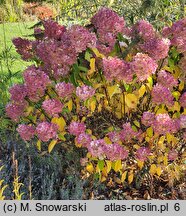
(9, 58)
(11, 64)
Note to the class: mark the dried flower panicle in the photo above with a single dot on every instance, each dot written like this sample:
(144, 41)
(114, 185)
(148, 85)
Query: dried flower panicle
(46, 131)
(52, 107)
(84, 92)
(26, 132)
(76, 128)
(143, 66)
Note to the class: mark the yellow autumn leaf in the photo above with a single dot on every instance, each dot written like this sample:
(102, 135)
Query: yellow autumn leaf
(123, 176)
(93, 105)
(147, 139)
(136, 123)
(38, 145)
(177, 71)
(42, 117)
(149, 132)
(181, 85)
(158, 171)
(130, 177)
(97, 53)
(104, 172)
(167, 68)
(88, 155)
(103, 178)
(161, 142)
(131, 100)
(140, 164)
(60, 122)
(159, 159)
(115, 89)
(90, 168)
(176, 94)
(107, 140)
(142, 91)
(111, 2)
(51, 145)
(161, 111)
(61, 136)
(117, 165)
(109, 165)
(176, 107)
(92, 66)
(150, 83)
(153, 169)
(28, 111)
(70, 104)
(171, 139)
(99, 108)
(165, 160)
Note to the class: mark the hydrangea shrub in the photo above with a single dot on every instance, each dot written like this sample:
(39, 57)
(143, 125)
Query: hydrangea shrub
(134, 74)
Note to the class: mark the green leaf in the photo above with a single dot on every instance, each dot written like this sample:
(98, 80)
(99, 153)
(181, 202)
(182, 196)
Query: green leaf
(87, 55)
(84, 69)
(149, 132)
(101, 164)
(73, 80)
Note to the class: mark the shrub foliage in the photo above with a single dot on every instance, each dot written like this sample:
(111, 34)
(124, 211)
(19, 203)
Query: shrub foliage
(116, 91)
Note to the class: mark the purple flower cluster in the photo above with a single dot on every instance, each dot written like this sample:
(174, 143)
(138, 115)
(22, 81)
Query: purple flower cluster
(116, 152)
(148, 118)
(77, 128)
(18, 93)
(114, 136)
(64, 89)
(59, 55)
(142, 153)
(162, 95)
(183, 100)
(166, 80)
(46, 131)
(83, 139)
(172, 155)
(36, 82)
(143, 66)
(164, 124)
(127, 133)
(183, 121)
(15, 110)
(143, 30)
(26, 132)
(53, 30)
(84, 92)
(177, 34)
(182, 64)
(156, 48)
(115, 68)
(56, 56)
(23, 47)
(97, 148)
(108, 24)
(81, 38)
(52, 107)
